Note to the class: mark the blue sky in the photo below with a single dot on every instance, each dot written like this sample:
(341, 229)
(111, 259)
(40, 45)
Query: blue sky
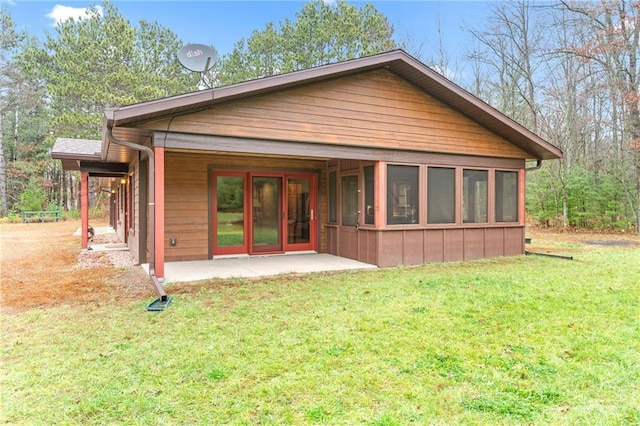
(222, 23)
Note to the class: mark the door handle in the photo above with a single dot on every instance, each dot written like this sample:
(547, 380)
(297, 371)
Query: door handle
(311, 216)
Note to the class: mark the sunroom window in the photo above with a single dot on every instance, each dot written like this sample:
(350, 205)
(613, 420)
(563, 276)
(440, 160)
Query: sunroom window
(369, 195)
(402, 194)
(506, 196)
(474, 196)
(441, 195)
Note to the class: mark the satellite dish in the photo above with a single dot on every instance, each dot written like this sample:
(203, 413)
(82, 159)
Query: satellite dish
(197, 57)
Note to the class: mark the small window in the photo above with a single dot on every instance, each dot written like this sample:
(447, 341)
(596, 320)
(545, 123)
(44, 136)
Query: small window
(474, 198)
(333, 197)
(506, 196)
(441, 195)
(369, 195)
(402, 194)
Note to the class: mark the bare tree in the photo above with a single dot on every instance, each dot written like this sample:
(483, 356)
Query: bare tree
(610, 44)
(511, 46)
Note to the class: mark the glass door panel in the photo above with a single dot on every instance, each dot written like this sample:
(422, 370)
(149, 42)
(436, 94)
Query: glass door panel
(266, 209)
(230, 229)
(298, 211)
(301, 226)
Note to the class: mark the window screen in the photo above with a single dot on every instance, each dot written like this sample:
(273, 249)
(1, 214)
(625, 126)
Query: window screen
(474, 197)
(402, 194)
(506, 196)
(441, 195)
(369, 195)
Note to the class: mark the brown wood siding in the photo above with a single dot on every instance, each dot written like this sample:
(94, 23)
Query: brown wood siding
(414, 247)
(134, 235)
(495, 242)
(331, 233)
(186, 207)
(370, 249)
(474, 241)
(375, 109)
(433, 245)
(187, 196)
(513, 241)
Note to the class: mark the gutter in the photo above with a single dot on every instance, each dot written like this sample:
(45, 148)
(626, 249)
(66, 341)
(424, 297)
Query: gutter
(163, 301)
(536, 167)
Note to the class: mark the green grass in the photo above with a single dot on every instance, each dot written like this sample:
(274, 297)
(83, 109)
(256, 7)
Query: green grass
(524, 340)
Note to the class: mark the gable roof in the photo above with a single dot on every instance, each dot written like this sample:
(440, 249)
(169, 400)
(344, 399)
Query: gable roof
(398, 62)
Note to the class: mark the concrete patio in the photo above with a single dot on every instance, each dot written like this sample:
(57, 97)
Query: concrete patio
(234, 266)
(257, 266)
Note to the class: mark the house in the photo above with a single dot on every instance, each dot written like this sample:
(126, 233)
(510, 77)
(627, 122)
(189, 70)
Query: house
(378, 159)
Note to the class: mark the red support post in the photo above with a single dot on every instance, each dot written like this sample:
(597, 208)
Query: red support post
(159, 210)
(84, 209)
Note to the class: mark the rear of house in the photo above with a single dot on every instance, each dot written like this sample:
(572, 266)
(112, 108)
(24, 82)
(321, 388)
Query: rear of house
(378, 159)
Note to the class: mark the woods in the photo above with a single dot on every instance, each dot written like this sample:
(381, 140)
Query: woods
(568, 71)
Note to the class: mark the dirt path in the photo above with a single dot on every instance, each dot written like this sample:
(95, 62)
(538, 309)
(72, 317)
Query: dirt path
(41, 266)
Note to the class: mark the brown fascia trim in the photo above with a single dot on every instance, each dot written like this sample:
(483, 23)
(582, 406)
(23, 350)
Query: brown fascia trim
(78, 157)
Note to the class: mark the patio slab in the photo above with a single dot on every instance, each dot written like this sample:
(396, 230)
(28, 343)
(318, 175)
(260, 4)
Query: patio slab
(257, 266)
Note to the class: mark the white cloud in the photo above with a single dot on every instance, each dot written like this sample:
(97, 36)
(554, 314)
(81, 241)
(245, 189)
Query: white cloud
(61, 13)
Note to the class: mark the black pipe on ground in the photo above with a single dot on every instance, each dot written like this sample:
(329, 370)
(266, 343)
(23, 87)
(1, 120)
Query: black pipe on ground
(559, 256)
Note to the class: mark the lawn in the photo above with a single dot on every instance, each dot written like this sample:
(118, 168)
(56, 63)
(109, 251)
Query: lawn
(523, 340)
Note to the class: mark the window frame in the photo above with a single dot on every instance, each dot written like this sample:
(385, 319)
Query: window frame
(419, 198)
(488, 197)
(456, 192)
(517, 195)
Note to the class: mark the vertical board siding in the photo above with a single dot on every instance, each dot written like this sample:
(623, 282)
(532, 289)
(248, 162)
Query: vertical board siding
(373, 109)
(413, 251)
(415, 247)
(433, 245)
(453, 245)
(391, 248)
(513, 241)
(331, 233)
(474, 243)
(494, 242)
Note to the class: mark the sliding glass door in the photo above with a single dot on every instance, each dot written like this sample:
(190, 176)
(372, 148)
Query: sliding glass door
(229, 213)
(266, 226)
(258, 213)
